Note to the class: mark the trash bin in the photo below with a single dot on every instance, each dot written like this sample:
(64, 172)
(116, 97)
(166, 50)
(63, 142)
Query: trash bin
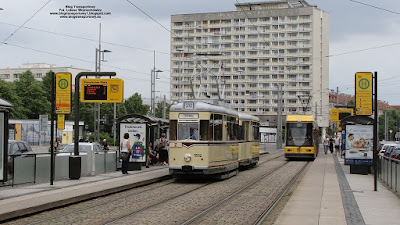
(74, 167)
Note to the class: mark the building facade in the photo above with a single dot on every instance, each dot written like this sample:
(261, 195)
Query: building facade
(242, 56)
(38, 70)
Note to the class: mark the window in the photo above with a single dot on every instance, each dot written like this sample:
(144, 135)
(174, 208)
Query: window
(172, 129)
(188, 131)
(4, 76)
(216, 124)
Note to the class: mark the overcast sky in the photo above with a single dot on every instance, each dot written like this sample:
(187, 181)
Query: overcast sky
(132, 37)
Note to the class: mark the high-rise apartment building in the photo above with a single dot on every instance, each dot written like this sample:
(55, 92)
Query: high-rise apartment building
(243, 56)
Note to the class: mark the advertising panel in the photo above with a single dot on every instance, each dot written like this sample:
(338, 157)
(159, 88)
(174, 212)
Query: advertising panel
(2, 143)
(359, 142)
(137, 137)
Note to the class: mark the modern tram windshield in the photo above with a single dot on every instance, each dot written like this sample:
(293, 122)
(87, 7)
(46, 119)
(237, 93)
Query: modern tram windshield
(299, 134)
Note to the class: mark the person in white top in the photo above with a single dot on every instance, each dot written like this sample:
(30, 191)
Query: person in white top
(326, 144)
(126, 151)
(337, 144)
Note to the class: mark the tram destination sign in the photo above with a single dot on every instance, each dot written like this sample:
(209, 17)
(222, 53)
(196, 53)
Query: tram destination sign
(102, 90)
(63, 93)
(363, 82)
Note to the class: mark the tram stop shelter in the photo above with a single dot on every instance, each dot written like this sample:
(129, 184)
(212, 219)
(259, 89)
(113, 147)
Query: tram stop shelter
(5, 106)
(142, 130)
(357, 142)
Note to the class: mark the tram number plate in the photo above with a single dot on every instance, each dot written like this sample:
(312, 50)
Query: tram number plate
(198, 155)
(187, 168)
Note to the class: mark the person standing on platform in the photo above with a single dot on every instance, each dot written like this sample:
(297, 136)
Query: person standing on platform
(331, 144)
(326, 144)
(337, 144)
(125, 153)
(163, 149)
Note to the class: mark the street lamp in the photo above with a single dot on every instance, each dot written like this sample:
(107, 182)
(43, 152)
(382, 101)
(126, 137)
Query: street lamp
(99, 59)
(153, 85)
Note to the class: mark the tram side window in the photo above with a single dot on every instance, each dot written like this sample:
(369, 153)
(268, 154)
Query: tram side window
(217, 127)
(240, 132)
(204, 130)
(256, 132)
(231, 134)
(172, 129)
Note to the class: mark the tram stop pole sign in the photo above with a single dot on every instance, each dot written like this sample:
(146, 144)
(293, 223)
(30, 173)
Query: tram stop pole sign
(363, 83)
(63, 93)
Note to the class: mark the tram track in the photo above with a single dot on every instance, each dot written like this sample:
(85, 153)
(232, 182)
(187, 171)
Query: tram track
(209, 214)
(87, 207)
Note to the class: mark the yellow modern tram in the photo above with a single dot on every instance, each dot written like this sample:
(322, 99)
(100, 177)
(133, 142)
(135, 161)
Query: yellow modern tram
(211, 140)
(302, 137)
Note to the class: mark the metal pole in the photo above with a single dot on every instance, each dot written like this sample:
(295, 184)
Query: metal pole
(163, 108)
(279, 127)
(115, 122)
(337, 95)
(375, 147)
(53, 84)
(152, 91)
(386, 124)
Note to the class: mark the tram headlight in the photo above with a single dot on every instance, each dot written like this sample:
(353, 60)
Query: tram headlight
(187, 157)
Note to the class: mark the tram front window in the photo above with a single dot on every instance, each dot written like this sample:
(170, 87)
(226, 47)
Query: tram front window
(188, 131)
(299, 134)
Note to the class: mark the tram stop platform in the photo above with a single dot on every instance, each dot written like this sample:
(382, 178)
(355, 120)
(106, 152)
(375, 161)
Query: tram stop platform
(329, 195)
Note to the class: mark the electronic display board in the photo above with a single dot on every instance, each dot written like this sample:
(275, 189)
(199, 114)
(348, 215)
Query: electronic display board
(102, 90)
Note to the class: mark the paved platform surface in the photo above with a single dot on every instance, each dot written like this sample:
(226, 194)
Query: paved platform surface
(329, 194)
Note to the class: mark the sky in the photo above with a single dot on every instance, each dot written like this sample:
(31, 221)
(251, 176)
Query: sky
(362, 39)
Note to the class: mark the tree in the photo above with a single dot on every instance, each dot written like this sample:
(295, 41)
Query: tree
(46, 85)
(351, 103)
(159, 108)
(393, 117)
(134, 104)
(32, 96)
(8, 93)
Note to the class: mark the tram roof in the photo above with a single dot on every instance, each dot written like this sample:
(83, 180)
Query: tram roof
(200, 106)
(248, 117)
(301, 118)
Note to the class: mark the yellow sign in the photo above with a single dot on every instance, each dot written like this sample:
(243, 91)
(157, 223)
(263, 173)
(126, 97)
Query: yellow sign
(364, 93)
(102, 90)
(60, 121)
(63, 93)
(335, 115)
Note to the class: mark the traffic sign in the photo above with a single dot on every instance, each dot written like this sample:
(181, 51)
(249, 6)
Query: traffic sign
(335, 115)
(102, 90)
(363, 93)
(61, 122)
(63, 93)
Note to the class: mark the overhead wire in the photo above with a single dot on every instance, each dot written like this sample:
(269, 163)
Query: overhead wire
(26, 21)
(78, 59)
(88, 39)
(376, 7)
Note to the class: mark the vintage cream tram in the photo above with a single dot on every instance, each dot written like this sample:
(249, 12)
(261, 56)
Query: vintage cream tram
(211, 140)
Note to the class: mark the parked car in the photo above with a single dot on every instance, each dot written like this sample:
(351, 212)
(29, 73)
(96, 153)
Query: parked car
(19, 147)
(388, 148)
(395, 154)
(84, 147)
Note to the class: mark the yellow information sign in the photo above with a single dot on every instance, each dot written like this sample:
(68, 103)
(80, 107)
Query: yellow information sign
(63, 93)
(335, 115)
(60, 121)
(102, 90)
(364, 93)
